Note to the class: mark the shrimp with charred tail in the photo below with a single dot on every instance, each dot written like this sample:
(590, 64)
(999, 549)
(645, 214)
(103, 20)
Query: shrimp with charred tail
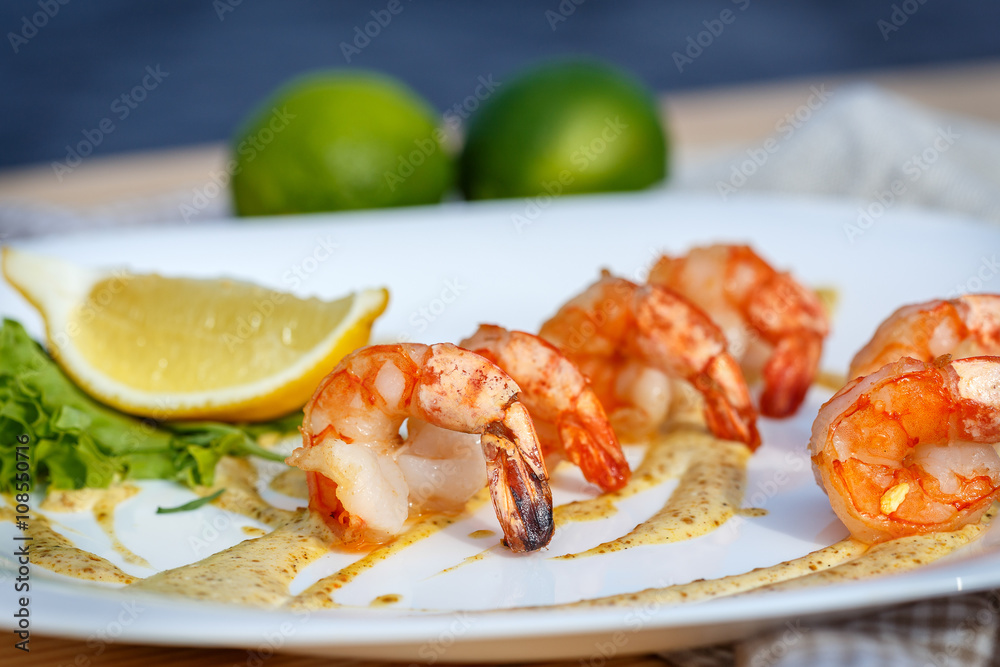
(364, 478)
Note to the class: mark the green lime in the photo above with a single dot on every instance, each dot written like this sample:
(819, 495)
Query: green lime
(567, 126)
(339, 140)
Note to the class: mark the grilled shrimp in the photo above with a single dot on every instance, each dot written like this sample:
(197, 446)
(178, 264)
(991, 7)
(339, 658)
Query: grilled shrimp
(363, 478)
(910, 448)
(567, 415)
(615, 330)
(962, 327)
(774, 325)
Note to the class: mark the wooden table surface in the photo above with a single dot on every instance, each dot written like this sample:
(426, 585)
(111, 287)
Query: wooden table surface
(700, 121)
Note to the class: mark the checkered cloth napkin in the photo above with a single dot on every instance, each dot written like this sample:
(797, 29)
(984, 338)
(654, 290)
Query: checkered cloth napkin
(870, 145)
(959, 631)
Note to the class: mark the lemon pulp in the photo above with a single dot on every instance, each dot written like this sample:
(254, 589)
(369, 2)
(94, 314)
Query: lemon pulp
(183, 348)
(258, 332)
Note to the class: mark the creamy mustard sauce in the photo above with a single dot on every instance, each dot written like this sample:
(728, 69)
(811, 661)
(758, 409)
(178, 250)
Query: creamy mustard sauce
(847, 560)
(386, 600)
(895, 556)
(104, 514)
(708, 494)
(291, 482)
(258, 572)
(469, 559)
(56, 553)
(102, 503)
(829, 296)
(320, 594)
(70, 500)
(239, 479)
(752, 511)
(481, 534)
(830, 380)
(705, 589)
(254, 572)
(664, 460)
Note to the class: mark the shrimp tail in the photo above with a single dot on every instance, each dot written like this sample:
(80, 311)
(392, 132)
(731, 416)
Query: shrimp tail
(675, 333)
(788, 374)
(592, 445)
(518, 481)
(728, 411)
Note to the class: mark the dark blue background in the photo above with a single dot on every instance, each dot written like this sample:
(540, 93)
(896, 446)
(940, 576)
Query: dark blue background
(64, 80)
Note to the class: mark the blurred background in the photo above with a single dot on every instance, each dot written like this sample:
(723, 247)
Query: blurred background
(202, 64)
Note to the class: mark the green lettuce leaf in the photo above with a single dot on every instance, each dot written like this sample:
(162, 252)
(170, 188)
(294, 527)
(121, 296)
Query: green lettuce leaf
(76, 442)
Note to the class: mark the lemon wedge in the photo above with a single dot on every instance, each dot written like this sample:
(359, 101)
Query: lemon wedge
(182, 348)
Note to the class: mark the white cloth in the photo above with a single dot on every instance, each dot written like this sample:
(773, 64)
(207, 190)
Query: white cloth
(862, 142)
(21, 219)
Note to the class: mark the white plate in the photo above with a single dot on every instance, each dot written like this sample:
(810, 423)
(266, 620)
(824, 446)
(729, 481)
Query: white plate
(449, 268)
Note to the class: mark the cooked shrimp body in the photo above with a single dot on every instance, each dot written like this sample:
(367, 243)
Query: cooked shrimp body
(911, 448)
(774, 325)
(614, 326)
(637, 397)
(567, 415)
(963, 327)
(363, 477)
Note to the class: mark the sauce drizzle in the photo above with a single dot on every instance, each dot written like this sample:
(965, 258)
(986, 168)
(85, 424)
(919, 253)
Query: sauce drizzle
(56, 553)
(708, 494)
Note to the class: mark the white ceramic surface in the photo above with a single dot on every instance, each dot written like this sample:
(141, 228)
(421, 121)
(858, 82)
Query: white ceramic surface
(512, 263)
